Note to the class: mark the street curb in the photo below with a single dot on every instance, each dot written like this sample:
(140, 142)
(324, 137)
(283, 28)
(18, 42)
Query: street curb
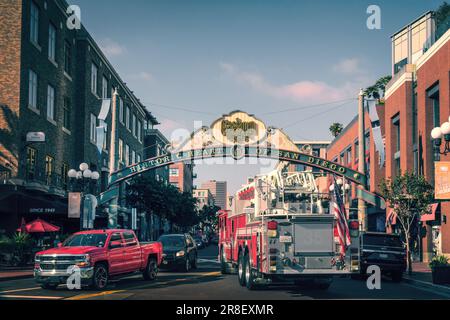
(25, 276)
(427, 285)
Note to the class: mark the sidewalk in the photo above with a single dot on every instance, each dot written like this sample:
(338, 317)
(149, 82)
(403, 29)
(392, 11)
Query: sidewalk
(421, 277)
(7, 274)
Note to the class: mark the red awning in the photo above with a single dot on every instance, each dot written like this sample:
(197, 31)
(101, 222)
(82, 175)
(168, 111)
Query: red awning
(38, 226)
(430, 216)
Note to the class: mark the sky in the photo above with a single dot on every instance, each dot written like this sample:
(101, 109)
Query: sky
(195, 60)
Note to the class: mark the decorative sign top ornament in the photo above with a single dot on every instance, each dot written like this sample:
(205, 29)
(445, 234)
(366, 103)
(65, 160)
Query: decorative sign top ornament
(237, 135)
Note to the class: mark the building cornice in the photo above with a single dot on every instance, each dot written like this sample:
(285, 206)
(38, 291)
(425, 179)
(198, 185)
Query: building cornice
(405, 76)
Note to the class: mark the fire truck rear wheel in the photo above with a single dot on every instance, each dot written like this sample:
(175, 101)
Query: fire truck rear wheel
(249, 274)
(241, 269)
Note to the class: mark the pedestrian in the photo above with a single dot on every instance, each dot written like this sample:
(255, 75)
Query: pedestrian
(56, 241)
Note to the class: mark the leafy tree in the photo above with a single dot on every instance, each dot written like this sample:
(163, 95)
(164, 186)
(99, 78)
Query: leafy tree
(410, 197)
(336, 129)
(162, 200)
(442, 18)
(208, 216)
(378, 90)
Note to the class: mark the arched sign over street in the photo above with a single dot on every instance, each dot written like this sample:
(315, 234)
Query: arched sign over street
(237, 135)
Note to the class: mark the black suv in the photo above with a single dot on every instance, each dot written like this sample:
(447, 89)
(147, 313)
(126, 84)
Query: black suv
(179, 251)
(384, 250)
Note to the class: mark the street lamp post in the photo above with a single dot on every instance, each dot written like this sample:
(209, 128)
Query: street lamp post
(84, 179)
(437, 134)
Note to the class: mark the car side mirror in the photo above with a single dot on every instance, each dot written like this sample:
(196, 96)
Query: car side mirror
(115, 244)
(60, 245)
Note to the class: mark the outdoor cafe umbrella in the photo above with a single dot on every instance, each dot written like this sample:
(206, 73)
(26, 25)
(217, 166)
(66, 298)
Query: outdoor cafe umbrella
(39, 226)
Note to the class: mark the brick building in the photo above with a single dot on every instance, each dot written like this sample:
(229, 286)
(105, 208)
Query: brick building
(344, 150)
(181, 175)
(416, 101)
(53, 81)
(155, 144)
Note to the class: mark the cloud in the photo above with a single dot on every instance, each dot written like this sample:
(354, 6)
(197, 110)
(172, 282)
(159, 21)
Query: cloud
(306, 90)
(348, 66)
(111, 48)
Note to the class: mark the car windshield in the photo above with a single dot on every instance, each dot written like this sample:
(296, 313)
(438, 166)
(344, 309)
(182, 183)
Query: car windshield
(382, 240)
(172, 241)
(86, 240)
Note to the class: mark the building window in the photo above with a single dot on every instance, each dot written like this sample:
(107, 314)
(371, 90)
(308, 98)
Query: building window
(31, 162)
(94, 77)
(342, 159)
(34, 23)
(133, 157)
(49, 169)
(32, 89)
(68, 58)
(64, 172)
(104, 88)
(349, 155)
(127, 155)
(133, 125)
(50, 102)
(396, 124)
(121, 110)
(66, 113)
(120, 150)
(433, 95)
(139, 131)
(174, 172)
(93, 128)
(52, 42)
(127, 117)
(138, 159)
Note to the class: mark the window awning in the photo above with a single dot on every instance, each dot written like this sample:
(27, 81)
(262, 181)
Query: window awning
(430, 216)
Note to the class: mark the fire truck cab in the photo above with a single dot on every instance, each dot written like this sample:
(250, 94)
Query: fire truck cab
(279, 229)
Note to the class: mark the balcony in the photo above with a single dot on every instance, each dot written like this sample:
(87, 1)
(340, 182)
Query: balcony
(37, 178)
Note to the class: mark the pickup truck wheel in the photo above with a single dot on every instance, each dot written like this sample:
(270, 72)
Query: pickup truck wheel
(101, 276)
(151, 271)
(241, 270)
(48, 286)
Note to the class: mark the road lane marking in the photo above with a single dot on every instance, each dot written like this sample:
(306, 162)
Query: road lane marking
(208, 260)
(20, 290)
(10, 296)
(93, 295)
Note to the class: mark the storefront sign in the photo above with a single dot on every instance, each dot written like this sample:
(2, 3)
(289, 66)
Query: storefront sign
(42, 210)
(74, 205)
(35, 137)
(442, 180)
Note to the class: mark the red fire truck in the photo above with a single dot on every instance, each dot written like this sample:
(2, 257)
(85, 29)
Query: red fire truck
(279, 230)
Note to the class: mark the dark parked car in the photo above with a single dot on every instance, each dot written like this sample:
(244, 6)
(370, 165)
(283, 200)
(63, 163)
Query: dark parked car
(215, 239)
(179, 251)
(384, 250)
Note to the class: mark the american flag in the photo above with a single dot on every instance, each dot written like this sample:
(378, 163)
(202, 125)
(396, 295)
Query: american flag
(342, 225)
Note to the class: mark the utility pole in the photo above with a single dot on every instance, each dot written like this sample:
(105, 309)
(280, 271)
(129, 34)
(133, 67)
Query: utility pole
(362, 214)
(114, 203)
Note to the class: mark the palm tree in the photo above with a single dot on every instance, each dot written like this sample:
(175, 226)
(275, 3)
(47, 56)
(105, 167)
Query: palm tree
(336, 129)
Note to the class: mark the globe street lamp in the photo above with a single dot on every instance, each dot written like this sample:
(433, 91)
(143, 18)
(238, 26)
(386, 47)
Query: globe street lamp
(437, 134)
(83, 181)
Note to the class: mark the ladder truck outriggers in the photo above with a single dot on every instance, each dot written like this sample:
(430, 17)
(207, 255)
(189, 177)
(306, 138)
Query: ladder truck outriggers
(280, 229)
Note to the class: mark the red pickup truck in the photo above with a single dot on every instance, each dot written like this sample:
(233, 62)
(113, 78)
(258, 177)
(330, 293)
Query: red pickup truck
(98, 255)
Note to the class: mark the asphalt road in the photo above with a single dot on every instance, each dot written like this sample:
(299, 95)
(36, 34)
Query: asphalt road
(207, 283)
